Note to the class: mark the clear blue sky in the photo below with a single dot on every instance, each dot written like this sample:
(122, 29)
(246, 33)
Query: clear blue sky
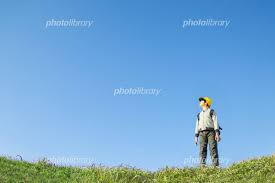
(57, 84)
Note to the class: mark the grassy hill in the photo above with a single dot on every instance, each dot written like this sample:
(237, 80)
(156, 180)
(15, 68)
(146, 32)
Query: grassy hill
(254, 170)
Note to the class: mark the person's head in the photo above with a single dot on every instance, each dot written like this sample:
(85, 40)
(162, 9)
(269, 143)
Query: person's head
(205, 102)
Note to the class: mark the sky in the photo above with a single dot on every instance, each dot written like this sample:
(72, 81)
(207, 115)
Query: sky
(57, 83)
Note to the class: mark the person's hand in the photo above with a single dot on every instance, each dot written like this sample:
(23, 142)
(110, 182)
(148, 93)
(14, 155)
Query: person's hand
(217, 137)
(196, 140)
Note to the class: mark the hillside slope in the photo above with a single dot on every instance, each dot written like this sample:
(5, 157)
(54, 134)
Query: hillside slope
(254, 170)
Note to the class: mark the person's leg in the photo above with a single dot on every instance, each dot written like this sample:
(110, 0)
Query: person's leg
(213, 145)
(203, 148)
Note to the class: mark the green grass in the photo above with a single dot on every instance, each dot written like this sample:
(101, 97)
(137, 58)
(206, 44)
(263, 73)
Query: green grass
(254, 170)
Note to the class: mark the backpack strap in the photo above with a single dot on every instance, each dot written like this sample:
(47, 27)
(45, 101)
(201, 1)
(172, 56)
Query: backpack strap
(198, 116)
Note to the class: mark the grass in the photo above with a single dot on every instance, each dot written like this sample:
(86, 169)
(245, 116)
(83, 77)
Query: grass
(254, 170)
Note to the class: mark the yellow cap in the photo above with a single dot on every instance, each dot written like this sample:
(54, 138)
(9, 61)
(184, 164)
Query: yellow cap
(207, 99)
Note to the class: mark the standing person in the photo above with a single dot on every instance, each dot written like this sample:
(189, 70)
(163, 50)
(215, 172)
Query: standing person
(207, 128)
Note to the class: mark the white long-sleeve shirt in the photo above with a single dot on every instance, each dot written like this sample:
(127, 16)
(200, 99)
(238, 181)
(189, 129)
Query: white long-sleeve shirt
(205, 121)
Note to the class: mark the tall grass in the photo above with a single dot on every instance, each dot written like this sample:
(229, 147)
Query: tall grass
(254, 170)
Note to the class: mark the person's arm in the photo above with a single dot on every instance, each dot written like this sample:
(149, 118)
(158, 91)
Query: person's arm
(197, 132)
(197, 129)
(216, 124)
(216, 127)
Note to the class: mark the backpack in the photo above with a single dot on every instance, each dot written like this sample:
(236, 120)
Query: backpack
(211, 114)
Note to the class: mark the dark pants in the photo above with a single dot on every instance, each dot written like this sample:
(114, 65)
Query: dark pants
(205, 138)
